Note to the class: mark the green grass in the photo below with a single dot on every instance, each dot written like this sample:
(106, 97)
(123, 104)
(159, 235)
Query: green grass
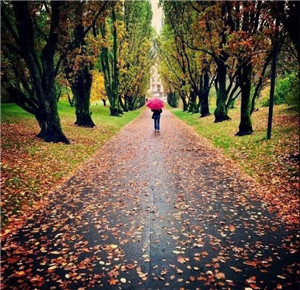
(251, 150)
(10, 113)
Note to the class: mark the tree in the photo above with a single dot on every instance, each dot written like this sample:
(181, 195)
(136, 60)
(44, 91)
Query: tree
(209, 36)
(81, 51)
(250, 31)
(237, 34)
(171, 68)
(194, 64)
(111, 31)
(136, 54)
(98, 89)
(288, 13)
(29, 45)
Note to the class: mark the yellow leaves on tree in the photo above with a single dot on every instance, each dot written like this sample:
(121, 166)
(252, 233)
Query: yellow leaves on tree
(98, 88)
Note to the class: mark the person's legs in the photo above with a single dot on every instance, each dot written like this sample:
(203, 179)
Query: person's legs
(158, 125)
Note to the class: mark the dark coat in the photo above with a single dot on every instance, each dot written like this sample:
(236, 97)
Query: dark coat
(156, 113)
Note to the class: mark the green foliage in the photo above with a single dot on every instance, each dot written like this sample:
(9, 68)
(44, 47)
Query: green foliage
(281, 90)
(112, 31)
(136, 55)
(293, 97)
(286, 91)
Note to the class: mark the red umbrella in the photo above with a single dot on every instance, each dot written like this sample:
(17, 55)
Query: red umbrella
(155, 104)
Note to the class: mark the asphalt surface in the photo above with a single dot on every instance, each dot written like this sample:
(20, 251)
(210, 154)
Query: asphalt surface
(153, 211)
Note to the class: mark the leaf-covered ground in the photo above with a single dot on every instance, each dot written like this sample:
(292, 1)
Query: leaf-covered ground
(273, 163)
(153, 211)
(31, 167)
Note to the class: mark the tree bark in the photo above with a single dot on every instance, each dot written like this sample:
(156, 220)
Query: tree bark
(184, 103)
(245, 127)
(81, 89)
(130, 104)
(221, 113)
(204, 104)
(49, 122)
(115, 109)
(192, 103)
(81, 81)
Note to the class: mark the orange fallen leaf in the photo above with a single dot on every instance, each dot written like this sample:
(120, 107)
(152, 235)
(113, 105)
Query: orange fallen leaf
(232, 228)
(20, 273)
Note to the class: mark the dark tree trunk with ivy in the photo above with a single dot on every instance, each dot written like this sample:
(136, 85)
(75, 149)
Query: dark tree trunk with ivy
(192, 106)
(221, 112)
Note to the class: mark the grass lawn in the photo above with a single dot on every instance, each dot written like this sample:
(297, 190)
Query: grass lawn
(273, 163)
(30, 167)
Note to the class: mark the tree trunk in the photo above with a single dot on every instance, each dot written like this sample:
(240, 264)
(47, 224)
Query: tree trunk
(204, 104)
(130, 104)
(81, 88)
(184, 103)
(115, 106)
(245, 127)
(114, 111)
(81, 79)
(41, 67)
(192, 102)
(221, 111)
(49, 122)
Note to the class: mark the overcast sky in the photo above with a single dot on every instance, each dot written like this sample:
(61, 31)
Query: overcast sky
(157, 15)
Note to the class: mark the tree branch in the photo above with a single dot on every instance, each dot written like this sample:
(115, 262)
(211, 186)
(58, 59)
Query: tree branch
(9, 27)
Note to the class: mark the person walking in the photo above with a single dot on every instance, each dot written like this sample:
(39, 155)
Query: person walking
(156, 117)
(155, 105)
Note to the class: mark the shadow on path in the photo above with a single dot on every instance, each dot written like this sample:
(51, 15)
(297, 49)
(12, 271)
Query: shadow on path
(153, 211)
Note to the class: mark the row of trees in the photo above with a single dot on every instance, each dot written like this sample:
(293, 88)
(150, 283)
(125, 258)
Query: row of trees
(47, 41)
(228, 45)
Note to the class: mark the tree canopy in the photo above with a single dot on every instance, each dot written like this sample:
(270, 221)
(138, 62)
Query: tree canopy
(222, 45)
(225, 43)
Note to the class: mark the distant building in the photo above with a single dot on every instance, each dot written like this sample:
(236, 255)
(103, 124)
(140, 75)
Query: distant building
(156, 86)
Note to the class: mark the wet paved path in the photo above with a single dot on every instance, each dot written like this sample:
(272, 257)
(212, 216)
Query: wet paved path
(153, 211)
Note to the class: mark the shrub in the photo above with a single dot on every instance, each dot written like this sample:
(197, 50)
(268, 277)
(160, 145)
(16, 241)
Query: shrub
(286, 91)
(294, 91)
